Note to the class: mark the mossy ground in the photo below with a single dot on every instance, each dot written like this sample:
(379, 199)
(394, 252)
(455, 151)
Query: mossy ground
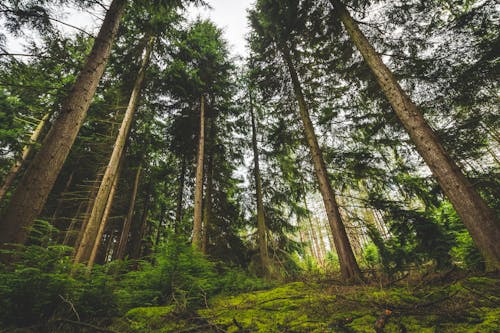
(466, 305)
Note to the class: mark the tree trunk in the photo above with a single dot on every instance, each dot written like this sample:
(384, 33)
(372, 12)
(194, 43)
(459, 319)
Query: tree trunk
(207, 211)
(71, 228)
(90, 204)
(180, 196)
(14, 170)
(348, 265)
(120, 252)
(198, 191)
(32, 192)
(137, 241)
(104, 221)
(261, 219)
(479, 219)
(89, 237)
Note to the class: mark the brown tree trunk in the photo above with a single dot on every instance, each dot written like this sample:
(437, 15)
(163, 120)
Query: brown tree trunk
(107, 210)
(89, 237)
(348, 265)
(261, 219)
(14, 170)
(120, 252)
(198, 189)
(479, 219)
(207, 209)
(32, 192)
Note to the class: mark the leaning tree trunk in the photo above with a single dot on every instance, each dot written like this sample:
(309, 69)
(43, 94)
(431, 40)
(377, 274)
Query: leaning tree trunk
(348, 266)
(84, 250)
(198, 189)
(261, 219)
(14, 170)
(32, 192)
(104, 221)
(479, 219)
(120, 252)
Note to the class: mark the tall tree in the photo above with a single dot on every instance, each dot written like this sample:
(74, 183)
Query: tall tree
(84, 250)
(38, 180)
(198, 185)
(462, 194)
(277, 22)
(261, 219)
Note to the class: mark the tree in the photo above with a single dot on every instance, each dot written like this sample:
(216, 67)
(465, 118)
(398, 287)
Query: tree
(32, 192)
(465, 199)
(96, 217)
(277, 24)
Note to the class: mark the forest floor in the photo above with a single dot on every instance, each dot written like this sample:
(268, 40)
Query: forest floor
(440, 303)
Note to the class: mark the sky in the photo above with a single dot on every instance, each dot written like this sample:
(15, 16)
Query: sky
(229, 15)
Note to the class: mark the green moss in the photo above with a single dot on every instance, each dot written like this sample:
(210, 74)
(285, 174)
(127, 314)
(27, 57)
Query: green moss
(463, 307)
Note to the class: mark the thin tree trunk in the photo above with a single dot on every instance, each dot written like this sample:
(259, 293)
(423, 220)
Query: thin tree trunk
(207, 212)
(261, 219)
(90, 204)
(59, 206)
(180, 195)
(198, 192)
(71, 227)
(14, 170)
(348, 265)
(137, 241)
(107, 210)
(479, 219)
(89, 238)
(31, 194)
(120, 252)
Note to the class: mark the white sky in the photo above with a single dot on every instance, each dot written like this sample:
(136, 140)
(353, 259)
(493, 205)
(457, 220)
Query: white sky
(229, 15)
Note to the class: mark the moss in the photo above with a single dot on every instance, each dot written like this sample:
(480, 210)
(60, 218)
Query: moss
(463, 307)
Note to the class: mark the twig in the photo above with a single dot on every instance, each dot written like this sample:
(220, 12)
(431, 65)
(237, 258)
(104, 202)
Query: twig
(72, 307)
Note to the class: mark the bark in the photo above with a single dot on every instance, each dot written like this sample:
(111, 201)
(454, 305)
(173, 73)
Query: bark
(198, 192)
(32, 192)
(261, 219)
(348, 265)
(89, 237)
(180, 195)
(104, 221)
(120, 252)
(479, 219)
(14, 170)
(207, 211)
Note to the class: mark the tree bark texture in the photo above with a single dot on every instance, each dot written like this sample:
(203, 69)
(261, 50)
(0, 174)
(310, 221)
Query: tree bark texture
(31, 194)
(104, 221)
(198, 189)
(207, 209)
(14, 170)
(348, 265)
(479, 219)
(84, 250)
